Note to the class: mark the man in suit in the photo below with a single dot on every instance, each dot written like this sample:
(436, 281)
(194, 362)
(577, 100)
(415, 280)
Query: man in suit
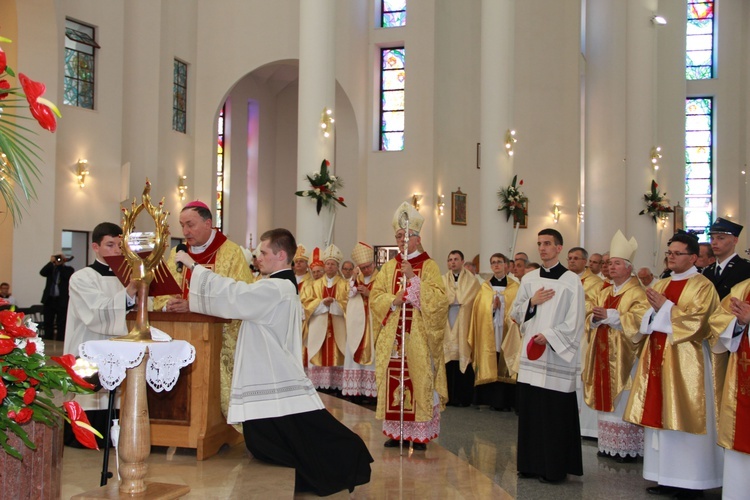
(55, 295)
(729, 268)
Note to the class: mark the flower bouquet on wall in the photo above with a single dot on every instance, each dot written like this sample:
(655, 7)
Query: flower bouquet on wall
(323, 186)
(657, 204)
(28, 382)
(18, 153)
(513, 202)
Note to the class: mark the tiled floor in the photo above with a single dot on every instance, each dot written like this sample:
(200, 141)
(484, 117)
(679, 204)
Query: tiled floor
(473, 458)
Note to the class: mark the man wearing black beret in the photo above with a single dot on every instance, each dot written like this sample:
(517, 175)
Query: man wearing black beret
(729, 268)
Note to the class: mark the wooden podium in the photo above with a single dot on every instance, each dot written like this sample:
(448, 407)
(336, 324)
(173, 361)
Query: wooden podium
(189, 416)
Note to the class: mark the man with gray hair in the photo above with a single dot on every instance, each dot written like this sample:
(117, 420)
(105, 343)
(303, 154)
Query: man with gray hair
(646, 277)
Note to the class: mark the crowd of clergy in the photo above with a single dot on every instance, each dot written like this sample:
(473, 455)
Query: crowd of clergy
(649, 366)
(652, 367)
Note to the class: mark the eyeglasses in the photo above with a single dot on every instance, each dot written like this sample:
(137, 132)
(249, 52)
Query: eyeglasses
(676, 254)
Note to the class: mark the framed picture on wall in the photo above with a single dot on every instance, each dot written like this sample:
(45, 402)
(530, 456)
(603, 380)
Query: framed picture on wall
(679, 218)
(458, 208)
(384, 253)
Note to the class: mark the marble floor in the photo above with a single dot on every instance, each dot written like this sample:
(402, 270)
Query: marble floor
(473, 458)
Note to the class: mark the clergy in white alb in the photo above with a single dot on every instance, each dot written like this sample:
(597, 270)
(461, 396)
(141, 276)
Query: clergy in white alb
(610, 356)
(359, 358)
(283, 419)
(550, 308)
(673, 391)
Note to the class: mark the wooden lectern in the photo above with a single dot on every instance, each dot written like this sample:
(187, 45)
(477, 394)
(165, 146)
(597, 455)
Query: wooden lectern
(189, 416)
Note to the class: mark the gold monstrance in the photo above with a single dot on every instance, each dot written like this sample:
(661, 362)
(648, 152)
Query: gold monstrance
(142, 269)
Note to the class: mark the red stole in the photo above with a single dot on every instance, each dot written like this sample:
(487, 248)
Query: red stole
(602, 381)
(206, 258)
(606, 284)
(393, 395)
(742, 415)
(653, 404)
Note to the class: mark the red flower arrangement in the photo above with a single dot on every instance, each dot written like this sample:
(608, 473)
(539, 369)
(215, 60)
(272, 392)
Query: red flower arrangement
(323, 188)
(28, 383)
(657, 204)
(18, 153)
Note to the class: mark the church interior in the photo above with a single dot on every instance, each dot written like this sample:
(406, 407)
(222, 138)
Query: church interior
(586, 102)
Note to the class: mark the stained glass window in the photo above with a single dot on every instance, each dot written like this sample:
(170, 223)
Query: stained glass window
(393, 13)
(218, 219)
(699, 63)
(80, 49)
(392, 99)
(698, 165)
(179, 97)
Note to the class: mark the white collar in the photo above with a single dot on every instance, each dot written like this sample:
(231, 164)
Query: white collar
(683, 276)
(203, 247)
(724, 263)
(548, 269)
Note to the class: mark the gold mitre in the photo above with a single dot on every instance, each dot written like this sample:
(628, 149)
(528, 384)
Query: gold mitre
(622, 248)
(301, 254)
(362, 254)
(332, 253)
(415, 220)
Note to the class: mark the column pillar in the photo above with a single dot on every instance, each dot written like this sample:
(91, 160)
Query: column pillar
(317, 90)
(496, 117)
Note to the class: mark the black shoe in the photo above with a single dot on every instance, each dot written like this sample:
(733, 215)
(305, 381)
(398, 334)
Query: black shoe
(393, 443)
(684, 493)
(527, 475)
(419, 446)
(662, 490)
(543, 479)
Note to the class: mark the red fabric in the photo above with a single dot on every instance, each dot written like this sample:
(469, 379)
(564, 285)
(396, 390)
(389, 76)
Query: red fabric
(742, 417)
(602, 382)
(363, 344)
(207, 258)
(652, 411)
(329, 347)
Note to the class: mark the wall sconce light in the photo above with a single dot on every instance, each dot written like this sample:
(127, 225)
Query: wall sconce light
(556, 212)
(510, 140)
(182, 187)
(580, 212)
(326, 122)
(664, 218)
(415, 199)
(655, 156)
(81, 172)
(658, 20)
(441, 204)
(4, 167)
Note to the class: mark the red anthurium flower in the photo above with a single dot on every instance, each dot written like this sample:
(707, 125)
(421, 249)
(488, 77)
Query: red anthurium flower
(5, 85)
(79, 422)
(23, 416)
(3, 61)
(18, 373)
(30, 348)
(34, 382)
(43, 110)
(3, 390)
(521, 183)
(10, 318)
(29, 395)
(6, 346)
(67, 362)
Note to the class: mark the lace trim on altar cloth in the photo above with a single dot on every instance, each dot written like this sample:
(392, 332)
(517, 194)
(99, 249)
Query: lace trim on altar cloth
(418, 432)
(114, 358)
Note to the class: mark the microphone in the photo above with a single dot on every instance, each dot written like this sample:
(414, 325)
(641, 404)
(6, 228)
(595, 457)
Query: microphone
(184, 248)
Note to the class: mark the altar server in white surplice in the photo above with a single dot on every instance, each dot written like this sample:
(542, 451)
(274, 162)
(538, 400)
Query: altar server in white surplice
(96, 311)
(283, 419)
(550, 308)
